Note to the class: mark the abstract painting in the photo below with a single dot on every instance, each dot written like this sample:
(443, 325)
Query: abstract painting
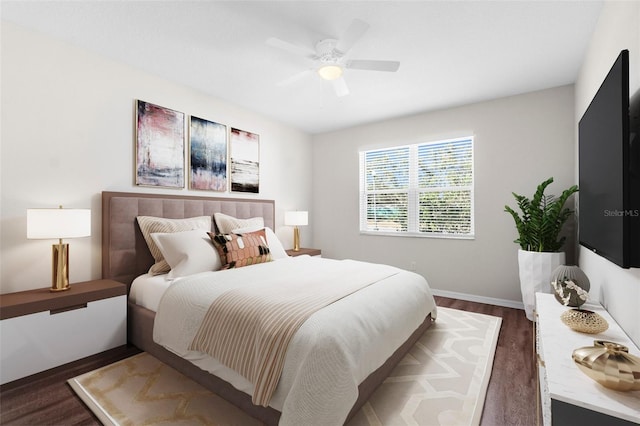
(159, 146)
(245, 161)
(208, 155)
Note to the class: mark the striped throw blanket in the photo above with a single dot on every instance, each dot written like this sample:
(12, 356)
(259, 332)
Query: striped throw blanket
(248, 329)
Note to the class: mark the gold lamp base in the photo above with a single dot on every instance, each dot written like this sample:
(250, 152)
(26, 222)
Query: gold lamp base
(60, 267)
(296, 238)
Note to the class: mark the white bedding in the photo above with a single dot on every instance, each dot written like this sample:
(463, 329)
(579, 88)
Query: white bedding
(147, 290)
(326, 360)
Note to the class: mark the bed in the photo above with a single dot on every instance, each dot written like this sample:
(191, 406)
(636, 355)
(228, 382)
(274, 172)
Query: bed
(126, 257)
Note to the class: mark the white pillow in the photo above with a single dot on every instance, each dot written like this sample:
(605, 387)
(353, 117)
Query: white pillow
(275, 245)
(188, 252)
(151, 224)
(227, 224)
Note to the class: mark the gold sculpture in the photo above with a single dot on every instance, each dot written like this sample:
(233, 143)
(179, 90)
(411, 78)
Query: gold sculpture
(584, 321)
(610, 364)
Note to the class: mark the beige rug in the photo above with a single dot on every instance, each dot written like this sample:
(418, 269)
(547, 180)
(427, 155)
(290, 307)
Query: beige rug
(442, 381)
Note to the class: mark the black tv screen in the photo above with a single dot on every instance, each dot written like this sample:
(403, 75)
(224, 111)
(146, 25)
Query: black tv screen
(608, 172)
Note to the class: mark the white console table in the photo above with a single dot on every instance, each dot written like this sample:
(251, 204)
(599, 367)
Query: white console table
(568, 396)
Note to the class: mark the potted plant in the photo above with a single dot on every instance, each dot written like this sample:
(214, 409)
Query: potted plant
(538, 236)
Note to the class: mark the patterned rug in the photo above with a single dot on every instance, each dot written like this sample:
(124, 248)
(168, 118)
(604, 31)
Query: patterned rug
(441, 381)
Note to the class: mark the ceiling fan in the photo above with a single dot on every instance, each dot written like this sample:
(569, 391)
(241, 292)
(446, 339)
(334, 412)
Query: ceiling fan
(329, 56)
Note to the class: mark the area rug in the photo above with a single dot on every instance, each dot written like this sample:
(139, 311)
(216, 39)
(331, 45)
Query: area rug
(441, 381)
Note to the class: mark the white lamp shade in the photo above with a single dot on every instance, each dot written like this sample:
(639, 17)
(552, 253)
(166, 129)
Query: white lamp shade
(296, 218)
(58, 223)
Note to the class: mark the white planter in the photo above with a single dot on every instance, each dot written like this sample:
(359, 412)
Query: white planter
(535, 275)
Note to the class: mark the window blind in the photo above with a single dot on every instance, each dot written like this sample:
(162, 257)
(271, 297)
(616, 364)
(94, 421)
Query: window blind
(422, 189)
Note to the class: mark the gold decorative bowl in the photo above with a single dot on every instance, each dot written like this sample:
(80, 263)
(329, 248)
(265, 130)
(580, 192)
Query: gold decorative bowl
(610, 364)
(584, 321)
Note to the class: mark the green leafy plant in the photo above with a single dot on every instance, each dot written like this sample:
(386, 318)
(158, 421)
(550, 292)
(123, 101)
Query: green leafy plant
(542, 218)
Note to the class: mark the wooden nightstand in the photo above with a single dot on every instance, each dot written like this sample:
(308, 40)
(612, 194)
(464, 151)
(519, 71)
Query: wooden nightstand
(40, 329)
(309, 251)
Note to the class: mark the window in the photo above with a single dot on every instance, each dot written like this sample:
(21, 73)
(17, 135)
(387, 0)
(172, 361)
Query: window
(418, 190)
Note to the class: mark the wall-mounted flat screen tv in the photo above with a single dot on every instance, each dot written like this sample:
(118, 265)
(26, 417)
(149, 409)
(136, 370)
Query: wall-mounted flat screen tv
(609, 172)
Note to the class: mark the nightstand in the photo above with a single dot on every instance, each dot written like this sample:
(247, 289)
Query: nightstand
(309, 251)
(40, 329)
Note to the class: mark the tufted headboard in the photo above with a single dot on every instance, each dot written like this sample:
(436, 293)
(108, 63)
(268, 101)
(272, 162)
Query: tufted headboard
(125, 254)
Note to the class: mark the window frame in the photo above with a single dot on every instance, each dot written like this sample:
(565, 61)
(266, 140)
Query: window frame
(413, 193)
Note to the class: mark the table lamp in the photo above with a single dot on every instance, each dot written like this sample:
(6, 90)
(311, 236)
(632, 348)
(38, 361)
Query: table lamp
(45, 224)
(295, 219)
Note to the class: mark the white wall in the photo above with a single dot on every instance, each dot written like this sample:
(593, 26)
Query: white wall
(68, 134)
(618, 28)
(519, 142)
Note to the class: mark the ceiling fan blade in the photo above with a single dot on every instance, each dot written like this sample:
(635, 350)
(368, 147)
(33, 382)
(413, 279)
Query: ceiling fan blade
(340, 86)
(290, 47)
(352, 35)
(373, 65)
(293, 78)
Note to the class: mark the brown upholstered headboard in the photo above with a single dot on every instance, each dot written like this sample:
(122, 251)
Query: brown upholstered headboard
(125, 254)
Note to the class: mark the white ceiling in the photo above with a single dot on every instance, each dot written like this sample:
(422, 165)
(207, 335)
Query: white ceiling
(451, 52)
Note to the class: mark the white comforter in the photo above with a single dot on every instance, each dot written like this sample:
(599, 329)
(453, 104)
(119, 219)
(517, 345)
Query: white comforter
(332, 352)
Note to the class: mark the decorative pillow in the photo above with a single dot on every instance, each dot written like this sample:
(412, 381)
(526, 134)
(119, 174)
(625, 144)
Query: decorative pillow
(238, 250)
(150, 225)
(187, 252)
(275, 246)
(226, 224)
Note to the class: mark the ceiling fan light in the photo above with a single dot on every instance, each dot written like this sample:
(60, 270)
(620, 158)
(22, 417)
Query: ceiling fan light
(330, 72)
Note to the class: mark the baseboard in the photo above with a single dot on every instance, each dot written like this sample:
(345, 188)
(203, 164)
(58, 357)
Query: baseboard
(478, 299)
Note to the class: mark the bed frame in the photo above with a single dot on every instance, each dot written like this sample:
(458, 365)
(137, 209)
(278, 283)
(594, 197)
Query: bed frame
(125, 255)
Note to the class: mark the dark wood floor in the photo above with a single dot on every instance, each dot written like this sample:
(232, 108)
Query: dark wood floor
(512, 394)
(46, 398)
